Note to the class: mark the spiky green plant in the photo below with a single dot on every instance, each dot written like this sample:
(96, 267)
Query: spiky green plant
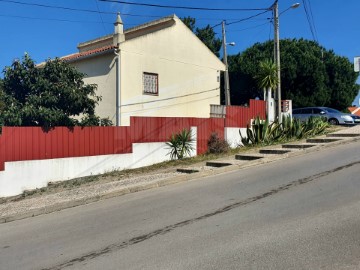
(267, 74)
(261, 132)
(180, 144)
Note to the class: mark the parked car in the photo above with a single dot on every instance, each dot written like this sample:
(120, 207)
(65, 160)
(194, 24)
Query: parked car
(333, 116)
(356, 118)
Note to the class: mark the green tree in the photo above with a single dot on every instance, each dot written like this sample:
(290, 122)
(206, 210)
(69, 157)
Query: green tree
(266, 76)
(53, 94)
(207, 35)
(267, 80)
(189, 22)
(2, 103)
(310, 74)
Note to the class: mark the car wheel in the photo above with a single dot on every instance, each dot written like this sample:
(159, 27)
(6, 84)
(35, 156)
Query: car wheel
(333, 121)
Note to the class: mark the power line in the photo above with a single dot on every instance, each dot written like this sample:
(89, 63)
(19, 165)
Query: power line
(251, 27)
(313, 21)
(241, 20)
(171, 105)
(55, 7)
(248, 18)
(48, 19)
(56, 20)
(99, 11)
(158, 100)
(310, 19)
(183, 7)
(76, 9)
(102, 21)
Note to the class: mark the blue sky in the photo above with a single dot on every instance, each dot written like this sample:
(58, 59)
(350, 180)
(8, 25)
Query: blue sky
(45, 32)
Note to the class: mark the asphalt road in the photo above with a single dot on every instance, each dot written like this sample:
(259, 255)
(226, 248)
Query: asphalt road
(298, 213)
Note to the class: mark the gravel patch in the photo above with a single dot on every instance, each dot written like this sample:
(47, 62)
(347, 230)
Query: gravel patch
(78, 193)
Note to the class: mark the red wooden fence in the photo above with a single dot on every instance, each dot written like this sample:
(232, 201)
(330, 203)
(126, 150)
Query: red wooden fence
(32, 143)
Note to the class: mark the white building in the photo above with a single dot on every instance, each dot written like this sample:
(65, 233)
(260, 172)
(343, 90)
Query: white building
(156, 69)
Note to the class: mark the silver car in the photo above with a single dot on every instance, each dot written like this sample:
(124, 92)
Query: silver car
(333, 116)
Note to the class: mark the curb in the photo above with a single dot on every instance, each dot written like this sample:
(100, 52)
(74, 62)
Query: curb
(171, 181)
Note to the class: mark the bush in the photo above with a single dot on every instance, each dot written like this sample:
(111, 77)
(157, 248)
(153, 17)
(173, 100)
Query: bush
(261, 132)
(217, 145)
(180, 144)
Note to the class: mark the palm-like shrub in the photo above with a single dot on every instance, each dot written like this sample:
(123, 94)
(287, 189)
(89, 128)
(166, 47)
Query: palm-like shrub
(180, 144)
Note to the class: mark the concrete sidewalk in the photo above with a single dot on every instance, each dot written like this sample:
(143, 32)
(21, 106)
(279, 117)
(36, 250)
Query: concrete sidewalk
(47, 203)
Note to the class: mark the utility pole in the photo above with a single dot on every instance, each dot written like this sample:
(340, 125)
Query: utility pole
(277, 57)
(226, 75)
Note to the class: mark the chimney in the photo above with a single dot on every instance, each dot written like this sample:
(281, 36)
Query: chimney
(119, 36)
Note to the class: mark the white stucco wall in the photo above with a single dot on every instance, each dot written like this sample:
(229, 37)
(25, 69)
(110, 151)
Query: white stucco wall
(188, 73)
(101, 70)
(232, 136)
(24, 175)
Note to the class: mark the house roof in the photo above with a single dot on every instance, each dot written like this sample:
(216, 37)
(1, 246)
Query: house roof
(130, 31)
(96, 51)
(354, 110)
(104, 44)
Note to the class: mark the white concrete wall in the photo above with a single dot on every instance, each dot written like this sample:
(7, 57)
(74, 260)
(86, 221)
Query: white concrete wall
(26, 175)
(270, 109)
(232, 136)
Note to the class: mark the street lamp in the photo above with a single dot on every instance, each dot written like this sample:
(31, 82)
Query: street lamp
(275, 8)
(226, 75)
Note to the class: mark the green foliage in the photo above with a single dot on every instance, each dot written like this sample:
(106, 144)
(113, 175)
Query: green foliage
(180, 144)
(207, 35)
(189, 22)
(2, 103)
(310, 74)
(263, 133)
(266, 76)
(47, 96)
(217, 145)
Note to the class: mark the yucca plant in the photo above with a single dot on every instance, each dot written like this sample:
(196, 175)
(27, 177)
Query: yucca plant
(180, 144)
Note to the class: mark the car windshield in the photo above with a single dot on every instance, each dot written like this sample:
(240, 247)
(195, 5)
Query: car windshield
(332, 110)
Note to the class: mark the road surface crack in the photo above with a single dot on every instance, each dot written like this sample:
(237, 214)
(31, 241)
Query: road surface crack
(169, 228)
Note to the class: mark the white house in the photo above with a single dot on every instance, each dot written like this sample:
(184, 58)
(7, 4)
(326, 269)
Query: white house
(156, 69)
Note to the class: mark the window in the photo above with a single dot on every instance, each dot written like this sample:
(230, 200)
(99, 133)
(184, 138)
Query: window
(296, 111)
(317, 111)
(307, 111)
(151, 83)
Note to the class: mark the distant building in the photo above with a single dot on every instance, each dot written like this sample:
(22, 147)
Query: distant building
(156, 69)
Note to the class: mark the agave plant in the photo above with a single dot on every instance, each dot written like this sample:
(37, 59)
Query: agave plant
(180, 144)
(261, 132)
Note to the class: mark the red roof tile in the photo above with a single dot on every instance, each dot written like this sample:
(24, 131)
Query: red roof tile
(354, 110)
(87, 53)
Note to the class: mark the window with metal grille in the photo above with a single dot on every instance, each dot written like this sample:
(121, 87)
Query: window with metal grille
(151, 83)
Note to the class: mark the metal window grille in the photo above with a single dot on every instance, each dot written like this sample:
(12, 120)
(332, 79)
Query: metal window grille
(151, 83)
